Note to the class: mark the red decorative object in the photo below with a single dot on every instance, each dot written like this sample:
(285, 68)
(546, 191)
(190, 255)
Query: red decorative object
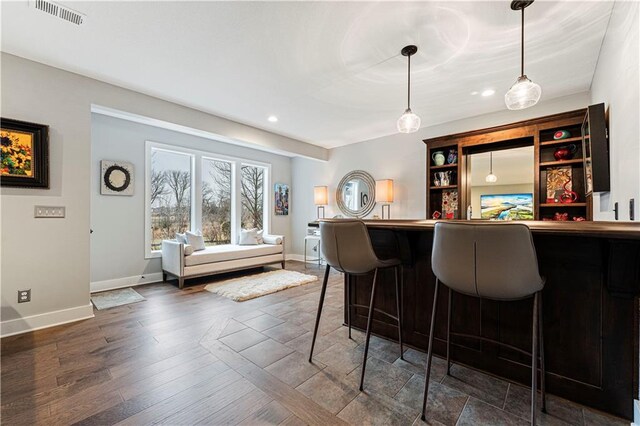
(561, 216)
(565, 152)
(449, 215)
(579, 219)
(568, 196)
(436, 215)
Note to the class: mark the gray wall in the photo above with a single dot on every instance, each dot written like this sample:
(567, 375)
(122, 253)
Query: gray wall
(118, 221)
(400, 157)
(616, 82)
(52, 256)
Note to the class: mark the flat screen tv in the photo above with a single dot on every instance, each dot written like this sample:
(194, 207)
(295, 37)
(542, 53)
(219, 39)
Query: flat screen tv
(506, 206)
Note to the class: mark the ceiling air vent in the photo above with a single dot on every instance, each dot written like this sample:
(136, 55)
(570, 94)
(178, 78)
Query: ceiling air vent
(59, 11)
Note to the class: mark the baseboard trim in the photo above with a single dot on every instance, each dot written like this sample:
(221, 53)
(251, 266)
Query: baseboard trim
(46, 320)
(299, 258)
(133, 281)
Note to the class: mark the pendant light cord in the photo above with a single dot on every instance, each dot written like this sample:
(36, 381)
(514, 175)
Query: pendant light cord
(409, 83)
(522, 46)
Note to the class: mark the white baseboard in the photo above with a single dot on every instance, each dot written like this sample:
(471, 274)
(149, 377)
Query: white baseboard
(46, 320)
(300, 258)
(125, 282)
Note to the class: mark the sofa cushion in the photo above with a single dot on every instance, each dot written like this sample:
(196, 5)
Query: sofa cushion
(195, 239)
(248, 237)
(226, 252)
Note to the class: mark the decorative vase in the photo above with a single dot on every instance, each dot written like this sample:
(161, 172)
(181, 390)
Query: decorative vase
(452, 158)
(565, 152)
(438, 158)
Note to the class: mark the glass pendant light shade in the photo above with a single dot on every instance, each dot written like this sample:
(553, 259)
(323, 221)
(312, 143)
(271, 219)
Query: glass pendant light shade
(523, 94)
(491, 178)
(408, 122)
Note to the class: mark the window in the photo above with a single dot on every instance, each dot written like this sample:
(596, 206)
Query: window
(252, 187)
(217, 181)
(170, 195)
(194, 190)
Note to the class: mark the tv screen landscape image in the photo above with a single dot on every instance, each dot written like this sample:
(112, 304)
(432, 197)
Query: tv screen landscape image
(506, 206)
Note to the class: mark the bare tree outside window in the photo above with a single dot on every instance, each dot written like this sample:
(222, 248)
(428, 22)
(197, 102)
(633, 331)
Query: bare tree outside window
(170, 195)
(216, 201)
(252, 196)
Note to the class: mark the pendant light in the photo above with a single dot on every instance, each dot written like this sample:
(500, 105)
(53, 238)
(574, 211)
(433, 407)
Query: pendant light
(524, 93)
(491, 178)
(408, 122)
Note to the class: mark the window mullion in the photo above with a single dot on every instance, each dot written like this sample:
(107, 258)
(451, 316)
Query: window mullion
(196, 205)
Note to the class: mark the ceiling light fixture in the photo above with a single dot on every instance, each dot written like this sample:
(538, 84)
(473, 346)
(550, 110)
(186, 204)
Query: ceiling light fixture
(491, 178)
(488, 92)
(408, 122)
(524, 93)
(273, 119)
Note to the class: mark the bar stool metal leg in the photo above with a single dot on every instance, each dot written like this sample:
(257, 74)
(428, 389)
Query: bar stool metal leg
(320, 303)
(543, 371)
(348, 284)
(399, 310)
(369, 321)
(430, 349)
(534, 359)
(449, 333)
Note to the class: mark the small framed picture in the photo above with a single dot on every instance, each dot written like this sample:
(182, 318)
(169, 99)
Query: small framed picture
(281, 198)
(117, 178)
(25, 154)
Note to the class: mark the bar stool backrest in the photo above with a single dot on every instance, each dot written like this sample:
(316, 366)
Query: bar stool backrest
(346, 246)
(493, 261)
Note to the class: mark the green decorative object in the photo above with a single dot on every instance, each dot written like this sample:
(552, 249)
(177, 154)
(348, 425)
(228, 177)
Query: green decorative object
(561, 134)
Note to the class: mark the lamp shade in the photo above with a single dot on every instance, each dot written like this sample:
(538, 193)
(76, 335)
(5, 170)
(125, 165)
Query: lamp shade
(384, 191)
(408, 122)
(523, 94)
(320, 195)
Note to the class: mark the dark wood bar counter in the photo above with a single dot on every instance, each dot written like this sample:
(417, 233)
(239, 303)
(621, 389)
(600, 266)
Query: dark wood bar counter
(590, 304)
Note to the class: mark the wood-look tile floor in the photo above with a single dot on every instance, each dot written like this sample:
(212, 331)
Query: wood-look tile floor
(192, 357)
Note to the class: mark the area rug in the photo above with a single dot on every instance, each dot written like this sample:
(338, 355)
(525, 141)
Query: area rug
(252, 286)
(113, 298)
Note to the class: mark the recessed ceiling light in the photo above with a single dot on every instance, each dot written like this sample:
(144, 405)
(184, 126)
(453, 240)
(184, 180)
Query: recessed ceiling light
(474, 93)
(273, 119)
(488, 92)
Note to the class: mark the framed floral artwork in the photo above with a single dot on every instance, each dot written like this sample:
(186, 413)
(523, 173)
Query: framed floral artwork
(25, 154)
(281, 199)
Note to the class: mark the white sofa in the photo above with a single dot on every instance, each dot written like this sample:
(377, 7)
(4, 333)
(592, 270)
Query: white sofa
(218, 259)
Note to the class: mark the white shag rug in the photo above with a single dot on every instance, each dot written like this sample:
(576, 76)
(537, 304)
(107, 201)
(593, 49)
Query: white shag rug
(252, 286)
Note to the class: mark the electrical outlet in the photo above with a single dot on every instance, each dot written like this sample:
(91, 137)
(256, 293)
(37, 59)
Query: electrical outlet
(24, 296)
(48, 212)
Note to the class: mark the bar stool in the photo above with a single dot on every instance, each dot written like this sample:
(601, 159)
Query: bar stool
(346, 247)
(494, 262)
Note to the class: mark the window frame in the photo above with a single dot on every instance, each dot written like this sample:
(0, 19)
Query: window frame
(197, 160)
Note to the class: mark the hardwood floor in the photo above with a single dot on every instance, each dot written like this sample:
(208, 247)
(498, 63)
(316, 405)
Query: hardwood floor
(192, 357)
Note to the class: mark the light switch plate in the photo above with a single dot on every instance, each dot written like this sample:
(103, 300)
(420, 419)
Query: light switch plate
(49, 212)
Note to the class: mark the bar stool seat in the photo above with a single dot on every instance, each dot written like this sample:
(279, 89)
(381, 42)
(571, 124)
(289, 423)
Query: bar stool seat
(494, 262)
(347, 248)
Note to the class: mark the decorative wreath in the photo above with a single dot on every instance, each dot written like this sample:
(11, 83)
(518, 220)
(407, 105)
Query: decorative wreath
(127, 178)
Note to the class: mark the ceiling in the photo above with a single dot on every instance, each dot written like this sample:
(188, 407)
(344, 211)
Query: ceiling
(511, 166)
(330, 71)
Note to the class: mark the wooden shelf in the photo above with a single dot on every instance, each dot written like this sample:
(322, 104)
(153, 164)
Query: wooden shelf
(561, 141)
(444, 166)
(561, 162)
(444, 187)
(563, 205)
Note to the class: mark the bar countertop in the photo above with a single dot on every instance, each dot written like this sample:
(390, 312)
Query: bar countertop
(615, 230)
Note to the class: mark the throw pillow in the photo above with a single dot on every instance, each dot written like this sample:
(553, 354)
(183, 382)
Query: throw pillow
(181, 238)
(248, 237)
(196, 240)
(188, 249)
(259, 236)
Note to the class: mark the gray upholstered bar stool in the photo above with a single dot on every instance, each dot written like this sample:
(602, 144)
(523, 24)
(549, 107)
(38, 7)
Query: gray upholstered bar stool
(490, 261)
(346, 247)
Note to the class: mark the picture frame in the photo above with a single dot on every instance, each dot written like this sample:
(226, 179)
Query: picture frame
(281, 199)
(24, 154)
(116, 178)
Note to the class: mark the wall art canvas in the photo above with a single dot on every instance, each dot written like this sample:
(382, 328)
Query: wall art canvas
(506, 206)
(281, 194)
(25, 154)
(116, 178)
(557, 177)
(449, 204)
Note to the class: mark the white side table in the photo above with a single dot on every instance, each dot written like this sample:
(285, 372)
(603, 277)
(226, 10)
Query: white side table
(315, 239)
